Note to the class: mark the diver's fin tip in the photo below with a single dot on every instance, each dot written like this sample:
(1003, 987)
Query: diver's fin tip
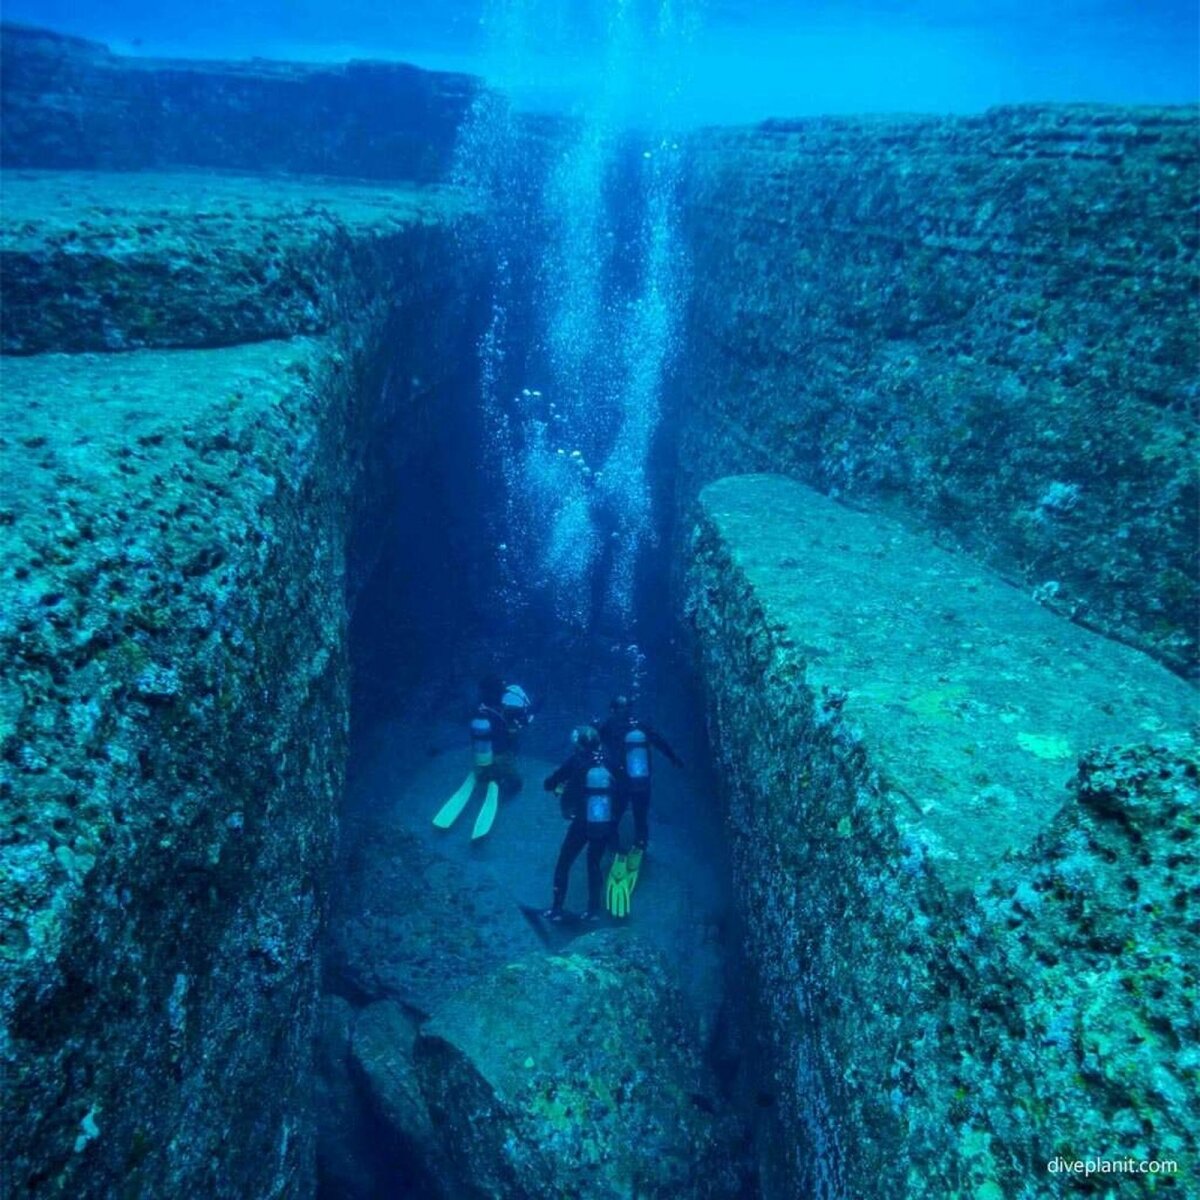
(487, 813)
(452, 809)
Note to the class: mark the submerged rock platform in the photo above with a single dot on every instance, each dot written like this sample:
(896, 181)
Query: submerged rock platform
(958, 821)
(984, 324)
(123, 261)
(173, 677)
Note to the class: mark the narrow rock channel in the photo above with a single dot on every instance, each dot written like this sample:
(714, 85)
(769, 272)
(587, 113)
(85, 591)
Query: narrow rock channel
(906, 577)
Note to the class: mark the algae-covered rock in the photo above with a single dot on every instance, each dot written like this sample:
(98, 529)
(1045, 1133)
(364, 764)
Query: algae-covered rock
(972, 950)
(573, 1075)
(97, 261)
(382, 1049)
(984, 322)
(1100, 934)
(67, 102)
(427, 924)
(173, 710)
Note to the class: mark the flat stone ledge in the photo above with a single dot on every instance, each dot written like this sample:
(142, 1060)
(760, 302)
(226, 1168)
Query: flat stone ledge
(973, 703)
(126, 260)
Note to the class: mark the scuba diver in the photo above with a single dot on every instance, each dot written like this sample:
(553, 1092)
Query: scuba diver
(504, 710)
(587, 793)
(627, 743)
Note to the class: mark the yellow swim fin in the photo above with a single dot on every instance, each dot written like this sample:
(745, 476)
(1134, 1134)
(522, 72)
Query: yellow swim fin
(452, 809)
(616, 890)
(487, 814)
(633, 866)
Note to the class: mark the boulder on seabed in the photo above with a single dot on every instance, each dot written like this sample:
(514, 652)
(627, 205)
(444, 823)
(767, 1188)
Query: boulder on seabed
(575, 1075)
(382, 1050)
(411, 1163)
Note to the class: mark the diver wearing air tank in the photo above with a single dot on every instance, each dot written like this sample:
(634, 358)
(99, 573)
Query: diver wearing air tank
(504, 710)
(627, 743)
(587, 789)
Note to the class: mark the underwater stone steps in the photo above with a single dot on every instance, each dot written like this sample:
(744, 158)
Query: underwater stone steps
(173, 708)
(942, 858)
(126, 260)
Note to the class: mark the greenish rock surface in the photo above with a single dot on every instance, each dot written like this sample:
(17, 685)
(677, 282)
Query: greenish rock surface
(938, 860)
(985, 325)
(173, 709)
(574, 1075)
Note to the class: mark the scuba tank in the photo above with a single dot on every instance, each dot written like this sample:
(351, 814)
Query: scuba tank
(637, 758)
(598, 799)
(481, 741)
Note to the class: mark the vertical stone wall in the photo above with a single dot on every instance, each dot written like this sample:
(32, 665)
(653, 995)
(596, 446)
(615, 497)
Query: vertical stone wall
(173, 679)
(985, 325)
(968, 880)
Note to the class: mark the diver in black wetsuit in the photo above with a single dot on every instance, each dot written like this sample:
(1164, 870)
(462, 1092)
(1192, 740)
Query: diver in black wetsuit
(627, 743)
(589, 801)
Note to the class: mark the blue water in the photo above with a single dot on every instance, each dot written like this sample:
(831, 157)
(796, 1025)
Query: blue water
(748, 60)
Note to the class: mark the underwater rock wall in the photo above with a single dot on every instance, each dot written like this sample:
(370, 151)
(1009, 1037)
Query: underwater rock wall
(174, 699)
(964, 844)
(985, 323)
(67, 102)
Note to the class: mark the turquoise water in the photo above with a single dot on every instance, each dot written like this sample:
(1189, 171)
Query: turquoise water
(750, 60)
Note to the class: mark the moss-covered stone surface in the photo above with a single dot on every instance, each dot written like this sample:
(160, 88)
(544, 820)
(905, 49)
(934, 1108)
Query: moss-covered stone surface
(411, 926)
(971, 913)
(173, 709)
(985, 325)
(574, 1075)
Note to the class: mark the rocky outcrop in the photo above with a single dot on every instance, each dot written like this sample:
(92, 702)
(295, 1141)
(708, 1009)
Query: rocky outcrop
(970, 924)
(411, 1163)
(567, 1074)
(66, 102)
(984, 325)
(574, 1074)
(345, 1147)
(411, 926)
(123, 262)
(173, 708)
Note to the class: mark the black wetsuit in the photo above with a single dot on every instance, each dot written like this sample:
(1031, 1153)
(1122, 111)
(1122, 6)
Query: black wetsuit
(612, 736)
(572, 775)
